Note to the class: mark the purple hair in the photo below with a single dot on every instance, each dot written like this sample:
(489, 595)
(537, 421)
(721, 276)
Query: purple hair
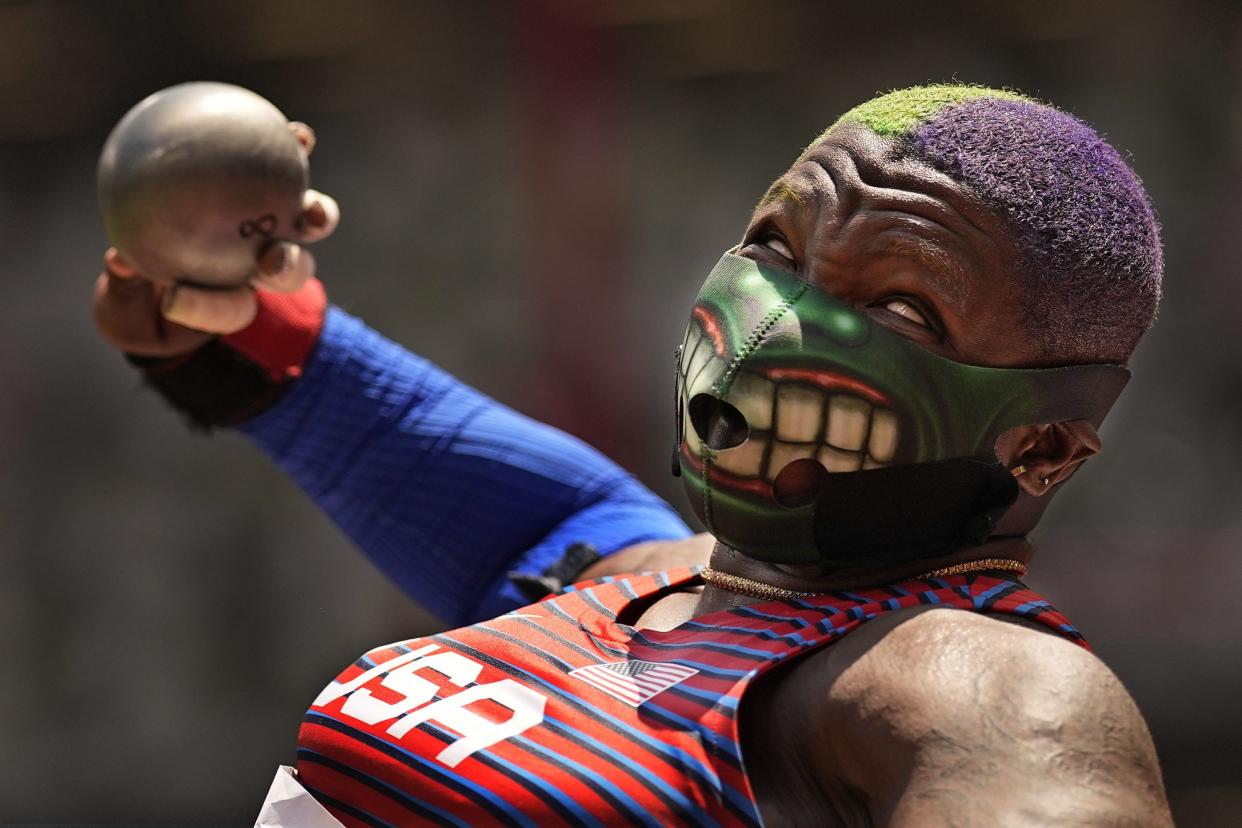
(1084, 227)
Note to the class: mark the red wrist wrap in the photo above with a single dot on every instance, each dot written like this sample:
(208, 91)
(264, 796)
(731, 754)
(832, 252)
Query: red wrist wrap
(284, 330)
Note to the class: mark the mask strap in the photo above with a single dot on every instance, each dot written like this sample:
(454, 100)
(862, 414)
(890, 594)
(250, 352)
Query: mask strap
(679, 413)
(1072, 392)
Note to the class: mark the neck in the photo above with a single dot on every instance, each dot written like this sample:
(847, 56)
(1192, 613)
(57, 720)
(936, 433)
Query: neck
(810, 578)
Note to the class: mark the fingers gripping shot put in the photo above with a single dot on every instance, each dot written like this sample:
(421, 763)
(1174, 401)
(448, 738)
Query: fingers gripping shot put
(203, 190)
(879, 390)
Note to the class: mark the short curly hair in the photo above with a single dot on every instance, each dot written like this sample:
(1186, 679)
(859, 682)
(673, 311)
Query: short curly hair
(1091, 260)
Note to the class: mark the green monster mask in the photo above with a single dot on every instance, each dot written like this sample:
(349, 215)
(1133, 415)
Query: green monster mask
(806, 433)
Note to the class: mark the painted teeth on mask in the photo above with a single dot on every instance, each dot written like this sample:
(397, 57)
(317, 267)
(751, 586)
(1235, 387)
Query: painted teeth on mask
(842, 432)
(799, 413)
(698, 352)
(753, 397)
(847, 422)
(883, 443)
(745, 460)
(785, 453)
(835, 460)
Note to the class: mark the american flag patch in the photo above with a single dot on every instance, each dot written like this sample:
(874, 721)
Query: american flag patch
(633, 682)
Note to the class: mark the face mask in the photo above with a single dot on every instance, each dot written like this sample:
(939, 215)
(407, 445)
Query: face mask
(807, 433)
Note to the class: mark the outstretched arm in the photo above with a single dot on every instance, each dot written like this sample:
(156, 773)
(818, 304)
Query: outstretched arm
(443, 488)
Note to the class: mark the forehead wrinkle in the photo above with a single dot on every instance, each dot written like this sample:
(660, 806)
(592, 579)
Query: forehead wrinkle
(926, 209)
(797, 189)
(887, 173)
(906, 184)
(843, 179)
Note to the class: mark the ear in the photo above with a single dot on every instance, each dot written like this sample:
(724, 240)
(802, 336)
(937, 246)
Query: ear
(1050, 453)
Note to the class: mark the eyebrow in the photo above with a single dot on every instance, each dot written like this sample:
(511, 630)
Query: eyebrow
(950, 276)
(782, 191)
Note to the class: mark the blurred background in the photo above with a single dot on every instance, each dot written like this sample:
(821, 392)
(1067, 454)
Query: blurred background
(518, 179)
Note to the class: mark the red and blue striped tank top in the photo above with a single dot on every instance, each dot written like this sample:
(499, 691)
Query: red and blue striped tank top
(559, 715)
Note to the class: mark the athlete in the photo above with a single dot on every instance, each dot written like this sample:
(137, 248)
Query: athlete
(878, 393)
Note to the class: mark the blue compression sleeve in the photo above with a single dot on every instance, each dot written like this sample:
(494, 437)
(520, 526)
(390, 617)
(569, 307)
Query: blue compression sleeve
(444, 489)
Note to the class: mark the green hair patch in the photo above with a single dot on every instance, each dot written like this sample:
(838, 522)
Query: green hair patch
(898, 112)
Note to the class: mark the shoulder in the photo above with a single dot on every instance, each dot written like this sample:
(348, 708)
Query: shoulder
(927, 711)
(653, 556)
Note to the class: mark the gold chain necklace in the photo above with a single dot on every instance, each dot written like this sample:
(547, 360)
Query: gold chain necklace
(745, 586)
(758, 589)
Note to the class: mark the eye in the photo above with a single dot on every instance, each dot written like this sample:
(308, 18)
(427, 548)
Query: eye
(777, 245)
(904, 309)
(767, 245)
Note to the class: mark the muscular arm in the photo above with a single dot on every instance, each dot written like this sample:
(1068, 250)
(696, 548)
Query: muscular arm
(443, 488)
(948, 718)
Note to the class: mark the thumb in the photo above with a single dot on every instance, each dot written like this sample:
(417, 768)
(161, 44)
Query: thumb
(212, 310)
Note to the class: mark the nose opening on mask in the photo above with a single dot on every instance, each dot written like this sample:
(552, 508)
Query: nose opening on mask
(719, 425)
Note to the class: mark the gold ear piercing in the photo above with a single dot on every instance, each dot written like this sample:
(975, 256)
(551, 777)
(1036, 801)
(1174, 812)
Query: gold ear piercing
(1018, 471)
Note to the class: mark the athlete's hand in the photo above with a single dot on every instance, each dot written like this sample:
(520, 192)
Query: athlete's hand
(146, 319)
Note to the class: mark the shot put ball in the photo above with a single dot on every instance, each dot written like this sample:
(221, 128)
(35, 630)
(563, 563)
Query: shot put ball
(196, 179)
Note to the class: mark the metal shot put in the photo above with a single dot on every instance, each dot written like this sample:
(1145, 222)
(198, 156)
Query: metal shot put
(197, 179)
